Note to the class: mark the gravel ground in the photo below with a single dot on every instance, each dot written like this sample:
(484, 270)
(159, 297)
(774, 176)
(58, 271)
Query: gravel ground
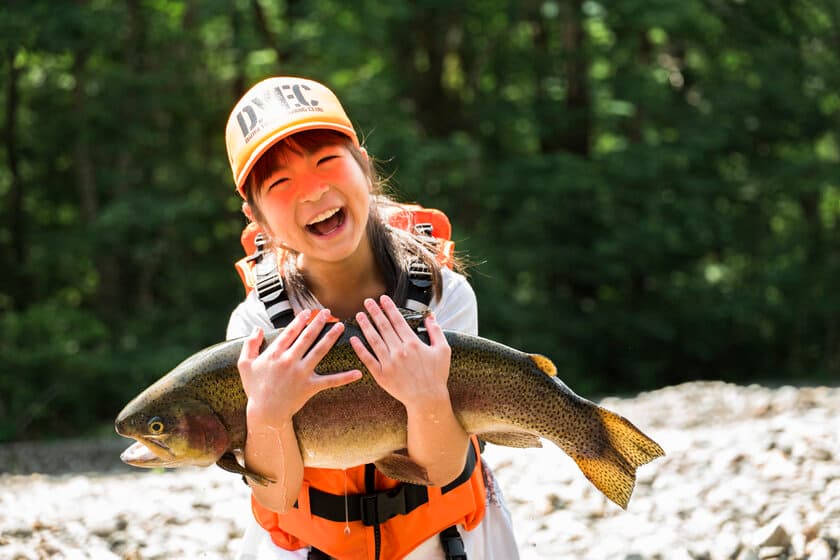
(751, 473)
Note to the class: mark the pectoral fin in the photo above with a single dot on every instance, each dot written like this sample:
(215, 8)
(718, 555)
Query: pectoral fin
(403, 468)
(512, 439)
(229, 463)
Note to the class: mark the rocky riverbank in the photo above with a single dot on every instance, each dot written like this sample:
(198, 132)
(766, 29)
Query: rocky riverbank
(750, 473)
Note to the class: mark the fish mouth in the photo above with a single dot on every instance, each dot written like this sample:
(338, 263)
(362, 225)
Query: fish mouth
(159, 444)
(147, 451)
(140, 454)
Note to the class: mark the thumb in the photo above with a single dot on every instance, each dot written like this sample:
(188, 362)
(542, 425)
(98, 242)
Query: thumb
(251, 346)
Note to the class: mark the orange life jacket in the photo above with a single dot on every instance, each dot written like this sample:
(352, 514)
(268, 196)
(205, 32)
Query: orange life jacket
(394, 538)
(386, 519)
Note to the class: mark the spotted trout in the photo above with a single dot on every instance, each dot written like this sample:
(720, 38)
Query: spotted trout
(195, 415)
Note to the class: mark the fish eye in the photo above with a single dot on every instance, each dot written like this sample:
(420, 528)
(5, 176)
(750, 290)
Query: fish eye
(155, 425)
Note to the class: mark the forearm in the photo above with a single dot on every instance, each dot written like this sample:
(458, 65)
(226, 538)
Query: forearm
(437, 441)
(272, 451)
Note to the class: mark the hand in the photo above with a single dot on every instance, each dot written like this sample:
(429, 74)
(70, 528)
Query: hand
(411, 371)
(281, 379)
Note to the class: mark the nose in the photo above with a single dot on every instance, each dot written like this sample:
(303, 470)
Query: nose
(313, 190)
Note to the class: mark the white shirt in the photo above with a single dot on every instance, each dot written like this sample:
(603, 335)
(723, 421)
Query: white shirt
(455, 310)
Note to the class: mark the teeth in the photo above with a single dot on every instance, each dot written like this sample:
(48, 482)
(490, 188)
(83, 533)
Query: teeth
(323, 216)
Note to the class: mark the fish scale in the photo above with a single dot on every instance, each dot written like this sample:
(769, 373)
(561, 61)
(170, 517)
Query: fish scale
(501, 394)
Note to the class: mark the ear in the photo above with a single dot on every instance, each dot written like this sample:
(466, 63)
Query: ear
(246, 209)
(365, 154)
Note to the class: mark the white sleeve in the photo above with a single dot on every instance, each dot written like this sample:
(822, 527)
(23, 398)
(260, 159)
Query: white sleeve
(247, 315)
(457, 309)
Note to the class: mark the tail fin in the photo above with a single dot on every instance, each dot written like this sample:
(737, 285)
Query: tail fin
(613, 469)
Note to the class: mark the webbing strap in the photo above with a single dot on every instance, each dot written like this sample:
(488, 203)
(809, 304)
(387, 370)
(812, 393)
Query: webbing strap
(269, 285)
(419, 274)
(420, 286)
(453, 544)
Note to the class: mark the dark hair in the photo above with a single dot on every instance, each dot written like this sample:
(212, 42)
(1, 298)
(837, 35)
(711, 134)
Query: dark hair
(393, 249)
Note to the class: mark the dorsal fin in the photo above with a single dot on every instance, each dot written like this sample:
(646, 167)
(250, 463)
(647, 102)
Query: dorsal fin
(545, 364)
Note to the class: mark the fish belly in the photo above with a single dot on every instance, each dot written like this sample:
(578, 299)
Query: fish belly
(349, 426)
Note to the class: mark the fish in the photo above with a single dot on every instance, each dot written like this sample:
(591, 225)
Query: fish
(195, 415)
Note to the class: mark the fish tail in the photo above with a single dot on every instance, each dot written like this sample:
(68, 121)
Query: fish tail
(611, 466)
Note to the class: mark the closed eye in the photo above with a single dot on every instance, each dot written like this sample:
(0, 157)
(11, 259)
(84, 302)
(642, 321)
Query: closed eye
(327, 158)
(278, 183)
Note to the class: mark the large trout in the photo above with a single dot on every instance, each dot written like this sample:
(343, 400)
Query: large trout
(195, 415)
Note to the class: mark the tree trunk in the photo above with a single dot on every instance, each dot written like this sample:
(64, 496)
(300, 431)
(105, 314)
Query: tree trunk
(559, 48)
(88, 200)
(438, 109)
(20, 286)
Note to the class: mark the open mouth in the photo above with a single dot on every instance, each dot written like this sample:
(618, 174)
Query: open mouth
(157, 443)
(140, 455)
(326, 222)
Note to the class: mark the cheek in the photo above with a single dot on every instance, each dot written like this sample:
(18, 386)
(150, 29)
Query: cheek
(276, 211)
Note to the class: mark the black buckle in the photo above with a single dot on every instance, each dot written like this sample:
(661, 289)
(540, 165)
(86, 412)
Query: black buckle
(380, 507)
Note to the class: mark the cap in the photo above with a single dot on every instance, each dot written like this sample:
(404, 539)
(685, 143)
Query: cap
(274, 109)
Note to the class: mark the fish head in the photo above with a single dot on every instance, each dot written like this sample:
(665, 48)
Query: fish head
(172, 433)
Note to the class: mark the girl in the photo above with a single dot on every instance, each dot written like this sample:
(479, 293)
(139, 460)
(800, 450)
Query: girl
(312, 190)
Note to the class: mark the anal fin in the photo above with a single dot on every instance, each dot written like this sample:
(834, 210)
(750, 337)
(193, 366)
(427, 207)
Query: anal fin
(403, 468)
(512, 439)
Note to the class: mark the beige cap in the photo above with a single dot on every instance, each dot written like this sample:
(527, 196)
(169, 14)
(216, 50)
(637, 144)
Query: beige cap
(276, 108)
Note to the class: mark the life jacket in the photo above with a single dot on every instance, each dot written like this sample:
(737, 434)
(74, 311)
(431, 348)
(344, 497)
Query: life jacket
(386, 522)
(358, 513)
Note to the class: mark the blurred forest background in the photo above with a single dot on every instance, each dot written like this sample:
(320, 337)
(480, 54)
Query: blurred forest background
(649, 189)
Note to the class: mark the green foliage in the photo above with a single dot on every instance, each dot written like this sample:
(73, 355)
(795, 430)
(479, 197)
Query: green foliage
(648, 189)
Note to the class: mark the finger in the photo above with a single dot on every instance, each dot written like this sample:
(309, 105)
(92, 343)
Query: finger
(323, 346)
(306, 338)
(251, 346)
(288, 335)
(395, 316)
(368, 359)
(337, 379)
(382, 322)
(372, 336)
(435, 332)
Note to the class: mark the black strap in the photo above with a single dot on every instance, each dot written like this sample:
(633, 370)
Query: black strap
(315, 554)
(377, 507)
(419, 274)
(453, 544)
(269, 285)
(419, 293)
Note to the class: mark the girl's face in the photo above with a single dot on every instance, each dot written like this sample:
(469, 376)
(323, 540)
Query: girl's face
(316, 202)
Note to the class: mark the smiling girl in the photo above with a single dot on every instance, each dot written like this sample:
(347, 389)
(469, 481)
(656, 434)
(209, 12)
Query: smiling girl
(313, 191)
